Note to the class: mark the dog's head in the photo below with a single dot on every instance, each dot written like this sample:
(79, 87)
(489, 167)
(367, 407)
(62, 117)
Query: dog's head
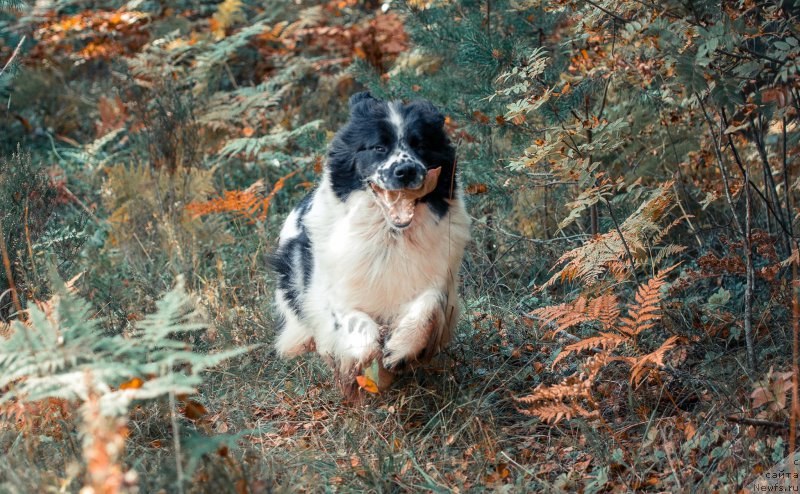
(388, 149)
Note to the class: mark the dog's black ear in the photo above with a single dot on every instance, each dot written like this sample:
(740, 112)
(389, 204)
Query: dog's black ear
(427, 112)
(359, 97)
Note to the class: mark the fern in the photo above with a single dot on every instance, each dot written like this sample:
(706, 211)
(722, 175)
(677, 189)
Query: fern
(253, 146)
(239, 202)
(605, 341)
(607, 253)
(228, 13)
(247, 203)
(210, 61)
(226, 110)
(645, 312)
(641, 366)
(604, 309)
(570, 397)
(564, 316)
(62, 352)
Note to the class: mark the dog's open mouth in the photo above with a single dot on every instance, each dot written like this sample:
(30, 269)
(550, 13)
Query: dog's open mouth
(399, 206)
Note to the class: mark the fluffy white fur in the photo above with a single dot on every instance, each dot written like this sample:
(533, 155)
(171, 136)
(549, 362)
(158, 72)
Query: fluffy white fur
(375, 289)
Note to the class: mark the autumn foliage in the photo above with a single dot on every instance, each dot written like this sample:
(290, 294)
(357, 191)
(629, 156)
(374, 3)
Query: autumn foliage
(631, 302)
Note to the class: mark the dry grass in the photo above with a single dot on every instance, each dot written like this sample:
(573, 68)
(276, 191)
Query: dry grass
(260, 423)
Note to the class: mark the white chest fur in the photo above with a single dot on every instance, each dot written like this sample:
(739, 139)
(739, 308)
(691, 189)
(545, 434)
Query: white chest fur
(362, 263)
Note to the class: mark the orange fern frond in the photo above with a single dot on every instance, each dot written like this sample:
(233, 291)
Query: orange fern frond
(560, 401)
(246, 203)
(570, 388)
(605, 309)
(641, 366)
(594, 364)
(556, 412)
(275, 189)
(605, 341)
(646, 310)
(564, 316)
(608, 253)
(572, 397)
(238, 202)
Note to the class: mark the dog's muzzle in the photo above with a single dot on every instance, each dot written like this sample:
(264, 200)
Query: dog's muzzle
(399, 205)
(406, 174)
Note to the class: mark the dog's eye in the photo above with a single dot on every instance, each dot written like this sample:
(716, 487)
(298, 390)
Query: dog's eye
(379, 149)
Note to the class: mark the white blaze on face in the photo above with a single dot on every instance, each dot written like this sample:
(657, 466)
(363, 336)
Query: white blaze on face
(396, 119)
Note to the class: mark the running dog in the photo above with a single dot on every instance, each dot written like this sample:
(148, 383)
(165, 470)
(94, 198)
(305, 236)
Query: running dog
(367, 264)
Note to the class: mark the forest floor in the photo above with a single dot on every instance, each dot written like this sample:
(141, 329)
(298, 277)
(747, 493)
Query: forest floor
(602, 348)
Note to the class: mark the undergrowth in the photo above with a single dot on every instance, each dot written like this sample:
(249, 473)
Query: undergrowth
(627, 295)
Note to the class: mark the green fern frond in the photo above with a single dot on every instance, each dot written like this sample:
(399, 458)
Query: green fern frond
(61, 351)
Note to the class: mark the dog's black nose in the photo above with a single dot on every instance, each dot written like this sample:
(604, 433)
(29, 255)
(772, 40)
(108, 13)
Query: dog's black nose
(406, 173)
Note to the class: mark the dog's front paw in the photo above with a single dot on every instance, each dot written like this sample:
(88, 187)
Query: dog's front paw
(360, 338)
(411, 341)
(392, 360)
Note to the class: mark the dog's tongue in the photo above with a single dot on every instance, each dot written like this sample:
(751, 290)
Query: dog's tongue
(401, 204)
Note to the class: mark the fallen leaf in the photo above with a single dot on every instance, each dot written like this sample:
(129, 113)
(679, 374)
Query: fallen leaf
(134, 383)
(367, 384)
(194, 410)
(475, 189)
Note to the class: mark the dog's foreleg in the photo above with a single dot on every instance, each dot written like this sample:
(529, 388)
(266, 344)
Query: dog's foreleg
(420, 332)
(293, 338)
(355, 338)
(358, 337)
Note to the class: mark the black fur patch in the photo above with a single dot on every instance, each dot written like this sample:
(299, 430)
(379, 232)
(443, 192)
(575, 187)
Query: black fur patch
(284, 263)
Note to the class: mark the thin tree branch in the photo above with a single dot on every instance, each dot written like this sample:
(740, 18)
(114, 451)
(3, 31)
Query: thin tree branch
(752, 184)
(611, 14)
(622, 237)
(10, 274)
(721, 164)
(749, 277)
(748, 292)
(787, 189)
(768, 179)
(756, 422)
(13, 56)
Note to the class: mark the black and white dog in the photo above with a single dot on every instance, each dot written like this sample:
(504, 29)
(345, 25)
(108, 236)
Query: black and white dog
(367, 264)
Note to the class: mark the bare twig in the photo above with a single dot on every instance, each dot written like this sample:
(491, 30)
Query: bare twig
(622, 237)
(752, 184)
(745, 233)
(756, 422)
(748, 292)
(608, 12)
(721, 164)
(176, 441)
(769, 181)
(686, 215)
(787, 189)
(13, 56)
(795, 408)
(675, 187)
(9, 273)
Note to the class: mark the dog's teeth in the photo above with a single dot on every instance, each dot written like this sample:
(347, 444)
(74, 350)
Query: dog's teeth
(400, 205)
